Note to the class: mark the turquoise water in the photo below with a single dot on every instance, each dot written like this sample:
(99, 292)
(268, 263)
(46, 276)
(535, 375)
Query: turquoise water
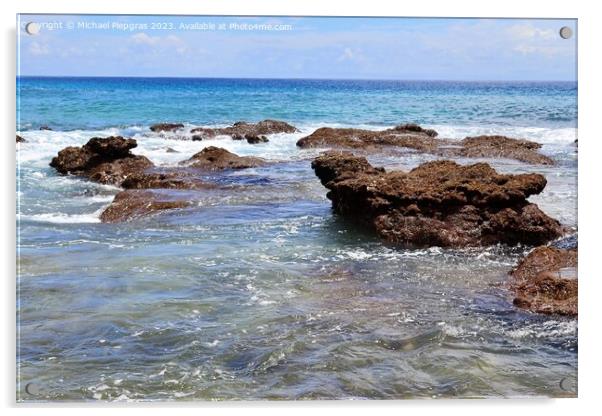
(85, 103)
(262, 292)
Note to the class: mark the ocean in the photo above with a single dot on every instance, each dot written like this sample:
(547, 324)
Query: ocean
(264, 293)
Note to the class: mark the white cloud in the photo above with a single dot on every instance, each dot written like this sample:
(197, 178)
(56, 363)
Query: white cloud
(160, 43)
(38, 49)
(529, 32)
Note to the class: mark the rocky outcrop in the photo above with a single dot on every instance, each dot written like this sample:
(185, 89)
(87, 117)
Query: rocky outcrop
(132, 204)
(411, 136)
(21, 139)
(161, 127)
(407, 135)
(105, 160)
(545, 281)
(243, 130)
(166, 179)
(215, 158)
(499, 146)
(438, 203)
(44, 127)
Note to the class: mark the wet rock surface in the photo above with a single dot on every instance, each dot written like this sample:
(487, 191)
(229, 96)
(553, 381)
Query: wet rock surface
(133, 203)
(105, 160)
(545, 281)
(21, 139)
(411, 136)
(438, 203)
(166, 179)
(244, 131)
(162, 127)
(215, 158)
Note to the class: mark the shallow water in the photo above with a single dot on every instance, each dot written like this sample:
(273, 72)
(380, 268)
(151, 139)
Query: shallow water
(260, 292)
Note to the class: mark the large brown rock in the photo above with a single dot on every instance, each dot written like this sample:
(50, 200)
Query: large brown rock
(438, 203)
(133, 203)
(215, 158)
(245, 131)
(105, 160)
(545, 281)
(414, 137)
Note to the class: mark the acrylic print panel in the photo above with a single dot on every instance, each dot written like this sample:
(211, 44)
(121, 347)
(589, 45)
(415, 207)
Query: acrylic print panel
(243, 208)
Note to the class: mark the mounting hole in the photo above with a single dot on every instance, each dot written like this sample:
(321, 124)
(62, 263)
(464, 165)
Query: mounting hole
(32, 28)
(566, 32)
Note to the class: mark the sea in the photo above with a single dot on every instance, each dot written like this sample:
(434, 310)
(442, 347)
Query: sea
(263, 292)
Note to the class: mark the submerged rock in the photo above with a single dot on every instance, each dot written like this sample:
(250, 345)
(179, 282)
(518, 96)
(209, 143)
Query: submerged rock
(105, 160)
(414, 137)
(243, 130)
(545, 281)
(161, 127)
(216, 158)
(438, 203)
(21, 139)
(132, 204)
(45, 127)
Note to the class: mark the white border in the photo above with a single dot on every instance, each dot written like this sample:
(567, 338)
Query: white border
(590, 94)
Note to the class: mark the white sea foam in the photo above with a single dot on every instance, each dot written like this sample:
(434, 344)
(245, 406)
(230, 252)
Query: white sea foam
(62, 218)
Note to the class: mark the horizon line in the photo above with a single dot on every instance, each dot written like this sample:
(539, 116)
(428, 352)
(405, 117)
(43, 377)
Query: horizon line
(295, 78)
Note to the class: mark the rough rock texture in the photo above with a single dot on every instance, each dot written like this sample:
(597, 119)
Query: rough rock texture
(545, 281)
(243, 130)
(438, 203)
(166, 127)
(166, 179)
(407, 135)
(422, 140)
(21, 139)
(502, 146)
(105, 160)
(131, 204)
(216, 158)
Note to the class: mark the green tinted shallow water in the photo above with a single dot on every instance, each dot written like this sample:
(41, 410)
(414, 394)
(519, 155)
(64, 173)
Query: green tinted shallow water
(264, 294)
(259, 291)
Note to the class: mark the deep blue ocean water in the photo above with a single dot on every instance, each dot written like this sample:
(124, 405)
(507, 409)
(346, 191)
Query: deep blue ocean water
(263, 293)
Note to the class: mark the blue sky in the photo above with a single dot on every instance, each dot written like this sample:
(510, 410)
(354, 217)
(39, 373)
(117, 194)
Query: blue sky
(358, 48)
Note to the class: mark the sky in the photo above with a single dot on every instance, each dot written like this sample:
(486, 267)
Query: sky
(297, 47)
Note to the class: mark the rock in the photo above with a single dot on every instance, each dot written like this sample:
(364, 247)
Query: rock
(438, 203)
(371, 140)
(44, 127)
(239, 130)
(412, 136)
(160, 127)
(253, 139)
(171, 150)
(21, 139)
(502, 146)
(104, 160)
(215, 158)
(132, 204)
(168, 179)
(545, 281)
